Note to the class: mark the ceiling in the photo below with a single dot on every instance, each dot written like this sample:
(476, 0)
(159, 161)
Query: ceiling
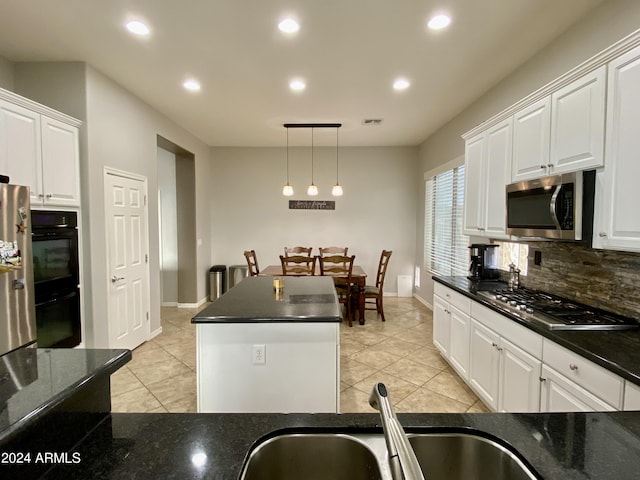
(348, 51)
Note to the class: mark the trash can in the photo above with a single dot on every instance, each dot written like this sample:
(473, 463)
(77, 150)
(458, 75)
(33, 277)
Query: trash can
(404, 286)
(237, 273)
(217, 275)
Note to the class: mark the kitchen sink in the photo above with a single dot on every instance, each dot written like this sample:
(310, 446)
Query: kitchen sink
(470, 457)
(312, 456)
(455, 455)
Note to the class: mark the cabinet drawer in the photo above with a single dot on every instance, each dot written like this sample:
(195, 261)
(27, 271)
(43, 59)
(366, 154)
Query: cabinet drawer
(456, 299)
(585, 373)
(526, 339)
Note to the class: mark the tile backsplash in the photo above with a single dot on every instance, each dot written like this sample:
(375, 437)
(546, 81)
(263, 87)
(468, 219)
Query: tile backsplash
(600, 278)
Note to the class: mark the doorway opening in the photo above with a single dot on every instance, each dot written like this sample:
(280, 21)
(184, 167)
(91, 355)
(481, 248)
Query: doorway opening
(177, 224)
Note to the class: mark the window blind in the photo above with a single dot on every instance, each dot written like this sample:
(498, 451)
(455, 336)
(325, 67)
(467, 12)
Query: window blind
(446, 248)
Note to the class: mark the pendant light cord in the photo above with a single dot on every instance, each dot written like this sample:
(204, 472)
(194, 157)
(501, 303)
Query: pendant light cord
(337, 161)
(287, 156)
(312, 156)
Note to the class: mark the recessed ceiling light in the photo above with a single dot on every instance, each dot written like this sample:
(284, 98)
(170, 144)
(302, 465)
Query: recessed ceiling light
(289, 25)
(138, 28)
(297, 85)
(401, 84)
(438, 22)
(192, 85)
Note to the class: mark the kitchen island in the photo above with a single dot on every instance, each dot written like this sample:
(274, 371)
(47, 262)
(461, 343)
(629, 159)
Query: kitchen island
(265, 350)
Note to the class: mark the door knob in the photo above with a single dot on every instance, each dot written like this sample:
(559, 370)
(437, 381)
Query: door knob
(115, 279)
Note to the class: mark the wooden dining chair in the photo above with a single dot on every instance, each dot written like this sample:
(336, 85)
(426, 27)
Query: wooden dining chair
(305, 251)
(340, 268)
(374, 292)
(298, 265)
(326, 251)
(252, 262)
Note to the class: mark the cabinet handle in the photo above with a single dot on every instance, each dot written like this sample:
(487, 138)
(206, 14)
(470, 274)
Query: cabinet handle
(541, 167)
(40, 195)
(549, 165)
(602, 234)
(48, 195)
(573, 367)
(500, 349)
(542, 379)
(494, 344)
(447, 295)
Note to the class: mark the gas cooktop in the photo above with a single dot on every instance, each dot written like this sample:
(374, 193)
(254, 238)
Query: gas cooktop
(556, 313)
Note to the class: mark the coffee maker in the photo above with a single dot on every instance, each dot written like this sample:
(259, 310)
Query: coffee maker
(484, 262)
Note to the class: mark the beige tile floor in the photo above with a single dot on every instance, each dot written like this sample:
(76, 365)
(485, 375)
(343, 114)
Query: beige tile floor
(399, 352)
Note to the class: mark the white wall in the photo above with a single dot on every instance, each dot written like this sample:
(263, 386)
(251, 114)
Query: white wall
(167, 211)
(6, 74)
(377, 211)
(600, 28)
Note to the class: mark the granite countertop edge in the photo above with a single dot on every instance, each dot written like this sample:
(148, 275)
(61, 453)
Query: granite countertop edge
(120, 358)
(575, 341)
(226, 319)
(126, 444)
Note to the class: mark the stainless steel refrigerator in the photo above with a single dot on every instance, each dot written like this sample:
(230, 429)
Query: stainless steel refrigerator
(17, 301)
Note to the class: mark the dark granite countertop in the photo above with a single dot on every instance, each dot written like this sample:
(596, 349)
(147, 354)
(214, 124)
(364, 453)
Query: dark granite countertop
(304, 299)
(565, 446)
(618, 351)
(35, 381)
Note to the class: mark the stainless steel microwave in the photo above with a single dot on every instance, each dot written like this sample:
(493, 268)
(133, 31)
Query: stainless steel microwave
(558, 207)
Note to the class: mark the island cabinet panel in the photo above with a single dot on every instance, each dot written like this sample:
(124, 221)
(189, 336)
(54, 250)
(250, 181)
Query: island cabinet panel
(299, 373)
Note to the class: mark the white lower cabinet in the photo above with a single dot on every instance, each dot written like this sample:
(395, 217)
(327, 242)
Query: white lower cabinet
(559, 394)
(519, 389)
(483, 373)
(451, 322)
(459, 325)
(502, 374)
(631, 396)
(513, 369)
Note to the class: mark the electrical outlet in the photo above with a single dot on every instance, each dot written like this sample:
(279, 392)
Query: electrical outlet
(259, 354)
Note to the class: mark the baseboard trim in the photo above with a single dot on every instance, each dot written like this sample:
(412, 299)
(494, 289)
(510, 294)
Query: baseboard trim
(155, 333)
(423, 301)
(169, 304)
(192, 305)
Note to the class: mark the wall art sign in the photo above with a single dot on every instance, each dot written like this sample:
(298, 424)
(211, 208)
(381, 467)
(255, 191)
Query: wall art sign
(312, 205)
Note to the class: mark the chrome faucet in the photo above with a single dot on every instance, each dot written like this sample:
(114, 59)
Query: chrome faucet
(402, 459)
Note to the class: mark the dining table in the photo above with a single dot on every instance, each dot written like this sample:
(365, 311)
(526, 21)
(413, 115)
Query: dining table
(358, 278)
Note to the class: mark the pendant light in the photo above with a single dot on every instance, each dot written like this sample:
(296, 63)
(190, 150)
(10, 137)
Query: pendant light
(336, 191)
(312, 191)
(287, 190)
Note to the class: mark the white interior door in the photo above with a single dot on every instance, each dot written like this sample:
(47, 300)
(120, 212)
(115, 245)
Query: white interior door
(127, 242)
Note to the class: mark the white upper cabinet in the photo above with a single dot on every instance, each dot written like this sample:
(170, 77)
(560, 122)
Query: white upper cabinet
(617, 223)
(577, 124)
(474, 185)
(563, 132)
(20, 152)
(487, 172)
(60, 163)
(531, 131)
(40, 150)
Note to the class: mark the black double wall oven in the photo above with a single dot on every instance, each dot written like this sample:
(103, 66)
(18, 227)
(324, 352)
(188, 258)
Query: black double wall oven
(56, 277)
